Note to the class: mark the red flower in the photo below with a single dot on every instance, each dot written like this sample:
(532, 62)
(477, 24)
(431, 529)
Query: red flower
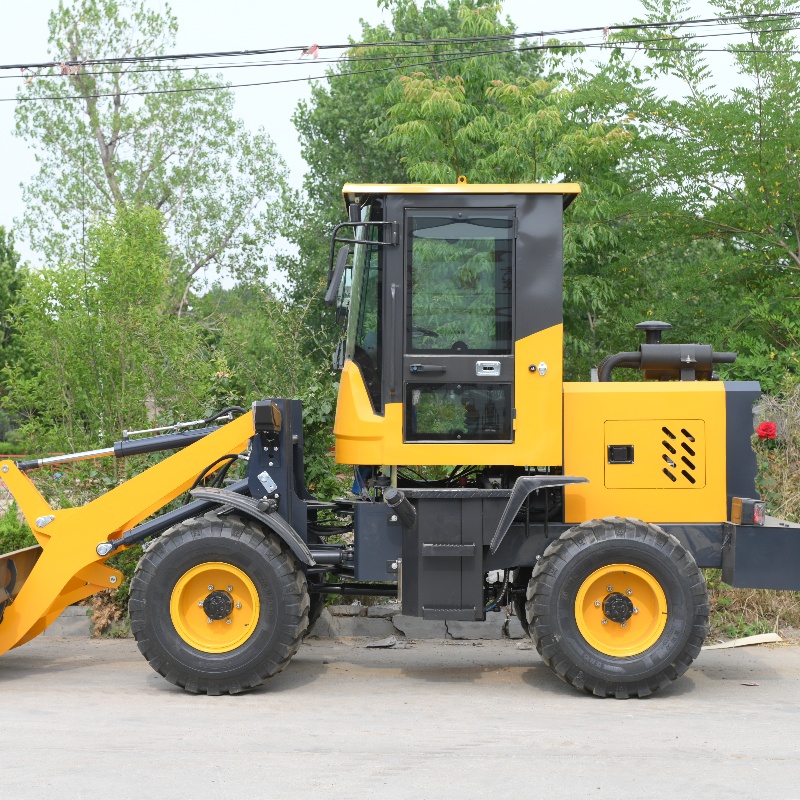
(767, 430)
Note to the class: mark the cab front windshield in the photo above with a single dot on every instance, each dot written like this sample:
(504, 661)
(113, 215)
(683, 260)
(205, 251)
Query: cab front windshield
(363, 341)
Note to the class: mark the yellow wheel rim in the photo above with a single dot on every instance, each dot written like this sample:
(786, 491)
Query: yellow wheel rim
(214, 607)
(636, 604)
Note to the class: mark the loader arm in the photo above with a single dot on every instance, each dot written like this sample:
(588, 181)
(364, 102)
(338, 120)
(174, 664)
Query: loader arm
(69, 568)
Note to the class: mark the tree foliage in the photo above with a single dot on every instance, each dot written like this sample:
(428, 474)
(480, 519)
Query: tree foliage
(343, 127)
(103, 350)
(728, 161)
(11, 279)
(124, 135)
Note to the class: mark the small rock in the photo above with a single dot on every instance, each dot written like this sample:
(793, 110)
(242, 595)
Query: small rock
(383, 611)
(325, 627)
(388, 642)
(363, 626)
(416, 628)
(346, 611)
(515, 629)
(491, 628)
(525, 645)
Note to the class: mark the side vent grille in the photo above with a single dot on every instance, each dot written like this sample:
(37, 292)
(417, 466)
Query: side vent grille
(670, 453)
(689, 469)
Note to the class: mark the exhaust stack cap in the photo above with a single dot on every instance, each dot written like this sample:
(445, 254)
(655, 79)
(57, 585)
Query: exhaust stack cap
(653, 329)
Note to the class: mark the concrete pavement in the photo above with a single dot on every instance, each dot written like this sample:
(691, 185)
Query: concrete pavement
(438, 720)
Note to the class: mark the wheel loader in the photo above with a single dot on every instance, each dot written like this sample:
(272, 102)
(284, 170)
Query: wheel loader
(597, 503)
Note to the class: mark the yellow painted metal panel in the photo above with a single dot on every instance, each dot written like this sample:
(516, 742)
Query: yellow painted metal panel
(668, 454)
(587, 409)
(364, 437)
(357, 189)
(68, 546)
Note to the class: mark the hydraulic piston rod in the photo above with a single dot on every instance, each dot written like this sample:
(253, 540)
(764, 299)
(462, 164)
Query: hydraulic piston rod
(125, 448)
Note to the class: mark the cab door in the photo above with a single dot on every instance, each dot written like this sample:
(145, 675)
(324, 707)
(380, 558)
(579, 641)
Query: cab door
(458, 332)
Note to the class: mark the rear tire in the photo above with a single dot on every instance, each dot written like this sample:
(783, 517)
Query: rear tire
(218, 569)
(602, 574)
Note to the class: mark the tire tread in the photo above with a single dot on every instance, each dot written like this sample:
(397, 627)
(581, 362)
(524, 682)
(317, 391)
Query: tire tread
(541, 587)
(293, 586)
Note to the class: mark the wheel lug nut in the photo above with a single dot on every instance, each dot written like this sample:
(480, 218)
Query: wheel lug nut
(623, 624)
(596, 602)
(629, 591)
(610, 588)
(605, 622)
(238, 605)
(227, 622)
(230, 589)
(635, 610)
(200, 603)
(209, 620)
(210, 587)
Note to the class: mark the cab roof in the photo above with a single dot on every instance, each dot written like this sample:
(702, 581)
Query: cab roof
(351, 191)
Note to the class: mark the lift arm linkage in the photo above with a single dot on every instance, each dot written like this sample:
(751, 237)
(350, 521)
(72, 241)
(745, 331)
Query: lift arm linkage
(69, 568)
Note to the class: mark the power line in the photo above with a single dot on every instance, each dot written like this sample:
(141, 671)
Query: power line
(746, 18)
(358, 59)
(435, 60)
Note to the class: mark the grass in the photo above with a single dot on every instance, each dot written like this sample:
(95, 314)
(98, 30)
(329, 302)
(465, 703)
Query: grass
(745, 612)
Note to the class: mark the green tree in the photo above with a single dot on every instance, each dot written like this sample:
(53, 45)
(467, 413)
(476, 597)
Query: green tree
(730, 162)
(11, 279)
(103, 350)
(124, 135)
(342, 127)
(272, 351)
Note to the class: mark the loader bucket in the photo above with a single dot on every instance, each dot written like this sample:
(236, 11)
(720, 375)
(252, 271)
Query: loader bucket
(14, 571)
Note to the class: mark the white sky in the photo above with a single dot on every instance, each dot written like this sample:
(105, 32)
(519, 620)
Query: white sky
(211, 25)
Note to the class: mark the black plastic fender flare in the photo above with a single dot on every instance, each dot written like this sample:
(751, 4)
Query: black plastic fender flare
(275, 522)
(522, 488)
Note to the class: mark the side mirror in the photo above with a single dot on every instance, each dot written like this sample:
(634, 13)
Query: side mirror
(336, 277)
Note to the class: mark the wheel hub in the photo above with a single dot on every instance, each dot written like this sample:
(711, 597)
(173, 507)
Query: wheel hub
(218, 605)
(617, 607)
(621, 610)
(215, 620)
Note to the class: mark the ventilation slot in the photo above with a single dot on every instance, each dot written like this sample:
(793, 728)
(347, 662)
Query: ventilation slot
(687, 434)
(668, 460)
(671, 476)
(669, 433)
(687, 476)
(687, 462)
(670, 448)
(687, 449)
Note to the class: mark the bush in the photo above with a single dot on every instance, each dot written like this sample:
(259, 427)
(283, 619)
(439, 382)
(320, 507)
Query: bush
(779, 458)
(14, 532)
(744, 612)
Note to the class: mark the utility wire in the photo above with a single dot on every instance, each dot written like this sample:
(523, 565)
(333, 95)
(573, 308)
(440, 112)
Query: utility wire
(432, 61)
(400, 56)
(746, 18)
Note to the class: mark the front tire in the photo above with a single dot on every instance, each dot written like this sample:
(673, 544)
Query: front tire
(217, 607)
(617, 607)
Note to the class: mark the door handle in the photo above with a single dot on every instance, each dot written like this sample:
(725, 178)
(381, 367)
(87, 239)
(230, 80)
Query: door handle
(490, 368)
(429, 368)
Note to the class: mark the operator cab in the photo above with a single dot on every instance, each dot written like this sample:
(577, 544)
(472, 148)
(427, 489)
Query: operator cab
(453, 344)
